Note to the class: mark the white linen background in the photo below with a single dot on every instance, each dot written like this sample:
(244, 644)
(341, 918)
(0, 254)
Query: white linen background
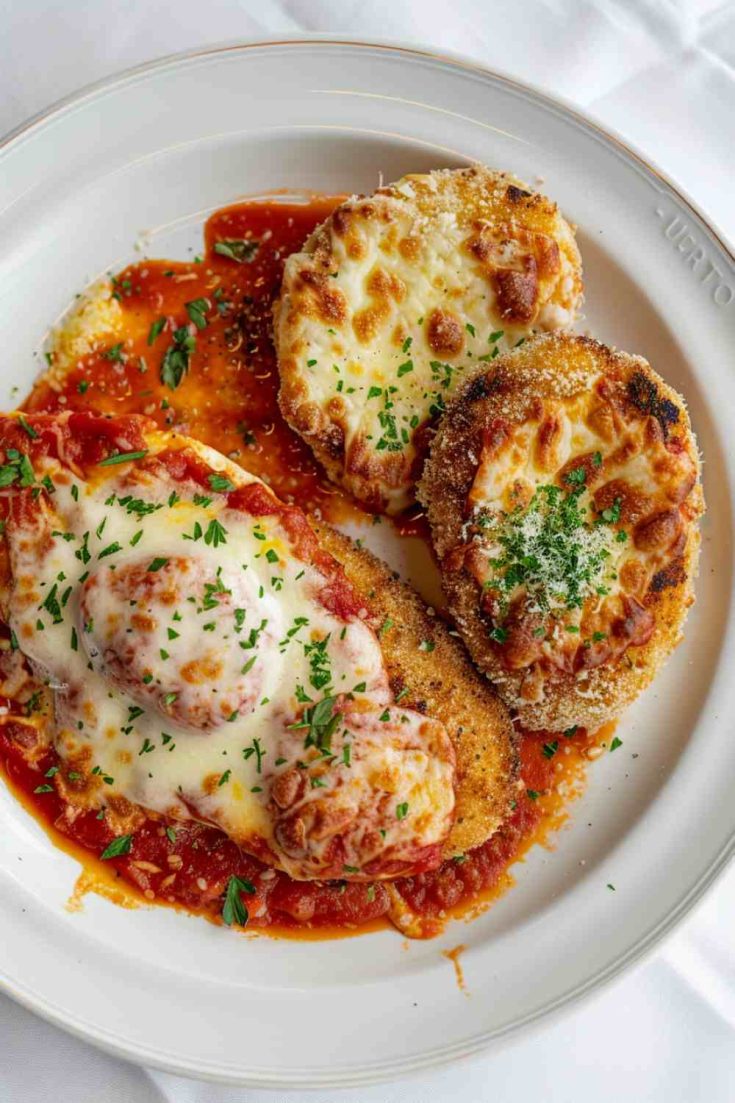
(663, 74)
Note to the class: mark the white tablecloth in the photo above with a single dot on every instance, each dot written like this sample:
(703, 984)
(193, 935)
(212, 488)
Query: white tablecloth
(662, 72)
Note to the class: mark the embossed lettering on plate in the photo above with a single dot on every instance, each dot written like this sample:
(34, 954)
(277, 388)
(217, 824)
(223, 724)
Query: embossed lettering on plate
(686, 242)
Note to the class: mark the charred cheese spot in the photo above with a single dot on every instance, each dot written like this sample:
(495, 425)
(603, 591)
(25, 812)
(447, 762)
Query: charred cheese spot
(563, 498)
(207, 661)
(461, 263)
(444, 333)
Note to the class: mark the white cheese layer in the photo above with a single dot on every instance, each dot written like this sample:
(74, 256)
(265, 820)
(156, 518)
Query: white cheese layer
(184, 641)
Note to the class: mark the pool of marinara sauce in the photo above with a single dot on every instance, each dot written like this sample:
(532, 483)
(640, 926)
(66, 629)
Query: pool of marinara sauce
(228, 399)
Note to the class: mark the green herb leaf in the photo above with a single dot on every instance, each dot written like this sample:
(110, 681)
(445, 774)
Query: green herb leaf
(216, 534)
(123, 457)
(197, 311)
(155, 330)
(244, 252)
(115, 353)
(157, 563)
(220, 483)
(175, 363)
(233, 909)
(27, 428)
(117, 848)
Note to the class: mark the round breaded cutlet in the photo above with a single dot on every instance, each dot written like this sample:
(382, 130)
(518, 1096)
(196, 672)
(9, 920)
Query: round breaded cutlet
(395, 297)
(563, 492)
(430, 671)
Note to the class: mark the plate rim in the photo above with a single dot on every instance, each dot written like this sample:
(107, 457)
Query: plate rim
(640, 951)
(589, 119)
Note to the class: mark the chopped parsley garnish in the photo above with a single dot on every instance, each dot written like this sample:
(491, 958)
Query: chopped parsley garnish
(216, 534)
(321, 722)
(111, 549)
(197, 311)
(196, 534)
(549, 749)
(114, 353)
(18, 469)
(118, 847)
(611, 516)
(123, 457)
(52, 606)
(402, 810)
(532, 794)
(175, 363)
(44, 789)
(225, 778)
(615, 744)
(321, 670)
(157, 563)
(426, 645)
(27, 428)
(171, 834)
(155, 330)
(569, 732)
(220, 483)
(244, 252)
(549, 548)
(233, 909)
(256, 750)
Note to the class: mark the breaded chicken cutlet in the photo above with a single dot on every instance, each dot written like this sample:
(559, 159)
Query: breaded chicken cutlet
(395, 297)
(563, 492)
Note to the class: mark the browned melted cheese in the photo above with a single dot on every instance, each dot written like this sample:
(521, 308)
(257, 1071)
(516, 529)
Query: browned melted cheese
(572, 539)
(395, 297)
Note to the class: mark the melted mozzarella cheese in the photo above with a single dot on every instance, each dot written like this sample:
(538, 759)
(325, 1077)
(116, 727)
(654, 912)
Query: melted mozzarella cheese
(397, 295)
(186, 643)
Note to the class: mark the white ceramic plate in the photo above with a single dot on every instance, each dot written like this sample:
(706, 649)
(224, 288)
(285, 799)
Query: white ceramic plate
(143, 157)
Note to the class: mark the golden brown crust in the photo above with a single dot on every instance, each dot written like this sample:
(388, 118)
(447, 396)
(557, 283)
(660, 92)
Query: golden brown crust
(442, 683)
(395, 297)
(564, 406)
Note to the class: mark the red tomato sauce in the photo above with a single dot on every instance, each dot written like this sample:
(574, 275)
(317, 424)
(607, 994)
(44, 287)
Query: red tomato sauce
(227, 398)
